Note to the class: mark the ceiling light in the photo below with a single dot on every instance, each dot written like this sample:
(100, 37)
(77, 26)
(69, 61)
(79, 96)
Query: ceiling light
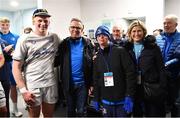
(14, 3)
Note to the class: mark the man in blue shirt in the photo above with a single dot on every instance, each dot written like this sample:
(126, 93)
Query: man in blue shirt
(11, 39)
(75, 60)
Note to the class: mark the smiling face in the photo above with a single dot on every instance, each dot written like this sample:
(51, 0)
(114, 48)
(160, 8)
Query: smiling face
(76, 29)
(4, 27)
(41, 24)
(136, 31)
(169, 25)
(137, 34)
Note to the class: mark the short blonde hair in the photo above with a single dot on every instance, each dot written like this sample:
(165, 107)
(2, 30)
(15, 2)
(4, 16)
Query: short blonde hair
(134, 24)
(4, 20)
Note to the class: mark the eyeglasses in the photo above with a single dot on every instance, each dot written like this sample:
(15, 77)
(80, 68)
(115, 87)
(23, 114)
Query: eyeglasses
(116, 30)
(74, 27)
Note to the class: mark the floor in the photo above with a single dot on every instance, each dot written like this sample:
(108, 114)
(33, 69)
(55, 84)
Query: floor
(59, 112)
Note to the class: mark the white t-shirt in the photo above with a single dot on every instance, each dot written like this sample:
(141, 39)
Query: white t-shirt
(38, 54)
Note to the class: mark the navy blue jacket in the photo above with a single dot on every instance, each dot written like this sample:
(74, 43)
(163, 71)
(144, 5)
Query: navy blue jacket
(63, 59)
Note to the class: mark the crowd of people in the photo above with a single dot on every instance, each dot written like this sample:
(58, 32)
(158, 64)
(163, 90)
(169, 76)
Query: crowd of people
(126, 75)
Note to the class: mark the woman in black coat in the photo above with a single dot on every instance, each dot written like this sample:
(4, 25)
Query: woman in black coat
(151, 77)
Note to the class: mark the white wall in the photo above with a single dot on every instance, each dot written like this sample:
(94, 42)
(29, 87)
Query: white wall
(19, 19)
(173, 8)
(154, 14)
(22, 19)
(62, 11)
(10, 16)
(93, 12)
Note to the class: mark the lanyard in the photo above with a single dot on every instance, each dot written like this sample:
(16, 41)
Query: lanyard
(107, 62)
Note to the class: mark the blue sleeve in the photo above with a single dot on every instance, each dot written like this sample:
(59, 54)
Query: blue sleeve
(177, 52)
(176, 58)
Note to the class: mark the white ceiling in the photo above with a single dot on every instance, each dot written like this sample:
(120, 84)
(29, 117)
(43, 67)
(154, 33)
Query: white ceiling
(23, 4)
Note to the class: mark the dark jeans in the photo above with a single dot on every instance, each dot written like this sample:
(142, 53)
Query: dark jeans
(76, 101)
(114, 111)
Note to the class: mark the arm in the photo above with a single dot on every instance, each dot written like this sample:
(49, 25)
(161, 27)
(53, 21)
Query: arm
(176, 58)
(160, 67)
(130, 72)
(95, 102)
(59, 54)
(7, 52)
(171, 62)
(96, 87)
(17, 73)
(16, 69)
(130, 76)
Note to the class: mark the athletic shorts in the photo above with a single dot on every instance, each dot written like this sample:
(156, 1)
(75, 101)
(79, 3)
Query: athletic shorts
(46, 94)
(2, 102)
(12, 80)
(2, 97)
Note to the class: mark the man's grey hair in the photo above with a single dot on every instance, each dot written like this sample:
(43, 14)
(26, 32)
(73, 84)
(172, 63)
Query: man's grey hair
(172, 17)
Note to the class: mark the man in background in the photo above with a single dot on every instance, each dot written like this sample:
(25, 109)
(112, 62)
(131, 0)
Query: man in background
(169, 42)
(116, 37)
(11, 39)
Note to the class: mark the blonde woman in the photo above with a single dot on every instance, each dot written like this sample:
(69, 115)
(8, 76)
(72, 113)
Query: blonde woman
(150, 70)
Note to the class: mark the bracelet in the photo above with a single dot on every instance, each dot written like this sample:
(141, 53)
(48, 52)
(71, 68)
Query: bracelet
(23, 90)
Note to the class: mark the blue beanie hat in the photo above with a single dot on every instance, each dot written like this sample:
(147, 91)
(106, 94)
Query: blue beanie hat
(103, 30)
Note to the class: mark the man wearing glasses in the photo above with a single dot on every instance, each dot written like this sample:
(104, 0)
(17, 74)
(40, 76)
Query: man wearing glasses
(75, 60)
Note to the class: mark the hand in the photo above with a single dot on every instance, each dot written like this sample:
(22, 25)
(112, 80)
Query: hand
(29, 98)
(90, 92)
(128, 104)
(95, 105)
(9, 49)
